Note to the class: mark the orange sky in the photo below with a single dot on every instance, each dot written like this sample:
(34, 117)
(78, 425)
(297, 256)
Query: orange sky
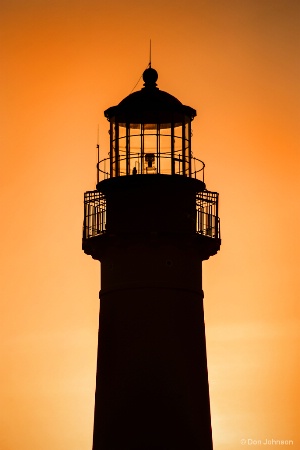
(62, 63)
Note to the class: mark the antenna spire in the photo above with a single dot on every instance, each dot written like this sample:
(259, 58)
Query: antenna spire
(98, 155)
(150, 55)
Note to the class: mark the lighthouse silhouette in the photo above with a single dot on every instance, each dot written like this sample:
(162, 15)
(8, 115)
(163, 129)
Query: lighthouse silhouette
(151, 222)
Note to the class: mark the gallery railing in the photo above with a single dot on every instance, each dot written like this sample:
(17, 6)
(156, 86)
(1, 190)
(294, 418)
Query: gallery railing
(207, 216)
(150, 163)
(207, 220)
(94, 214)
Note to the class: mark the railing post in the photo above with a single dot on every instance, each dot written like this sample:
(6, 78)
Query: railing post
(190, 147)
(217, 215)
(183, 148)
(142, 147)
(127, 149)
(172, 150)
(158, 148)
(111, 152)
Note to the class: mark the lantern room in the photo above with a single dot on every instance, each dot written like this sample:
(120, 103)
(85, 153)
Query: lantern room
(151, 182)
(150, 133)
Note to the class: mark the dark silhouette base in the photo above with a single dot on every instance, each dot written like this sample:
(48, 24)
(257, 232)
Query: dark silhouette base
(152, 385)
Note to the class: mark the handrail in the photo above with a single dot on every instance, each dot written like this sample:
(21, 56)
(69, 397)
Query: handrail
(137, 161)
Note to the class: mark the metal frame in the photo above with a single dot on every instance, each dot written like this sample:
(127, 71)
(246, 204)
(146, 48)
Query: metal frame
(207, 210)
(94, 214)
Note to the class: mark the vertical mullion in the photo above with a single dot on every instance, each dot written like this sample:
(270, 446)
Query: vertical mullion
(127, 149)
(190, 147)
(117, 148)
(89, 220)
(158, 147)
(183, 146)
(172, 149)
(93, 220)
(111, 138)
(217, 216)
(84, 219)
(202, 215)
(142, 147)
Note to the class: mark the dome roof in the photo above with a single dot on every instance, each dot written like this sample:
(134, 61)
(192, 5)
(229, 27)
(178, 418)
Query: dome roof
(150, 105)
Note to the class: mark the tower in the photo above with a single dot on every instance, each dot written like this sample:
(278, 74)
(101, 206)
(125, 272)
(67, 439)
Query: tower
(151, 222)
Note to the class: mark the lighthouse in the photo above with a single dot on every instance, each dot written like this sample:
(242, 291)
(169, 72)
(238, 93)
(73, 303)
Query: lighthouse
(151, 222)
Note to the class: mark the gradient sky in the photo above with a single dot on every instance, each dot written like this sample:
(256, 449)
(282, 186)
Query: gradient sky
(63, 63)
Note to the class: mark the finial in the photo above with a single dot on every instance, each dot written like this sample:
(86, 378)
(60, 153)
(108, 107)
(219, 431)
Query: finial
(150, 55)
(150, 77)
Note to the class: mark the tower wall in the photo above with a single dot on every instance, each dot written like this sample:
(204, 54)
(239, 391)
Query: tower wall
(152, 383)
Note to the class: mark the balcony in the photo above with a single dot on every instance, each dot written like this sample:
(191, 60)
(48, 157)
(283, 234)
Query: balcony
(206, 220)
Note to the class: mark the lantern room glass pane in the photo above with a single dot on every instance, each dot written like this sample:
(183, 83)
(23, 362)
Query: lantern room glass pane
(165, 141)
(114, 150)
(135, 141)
(187, 143)
(150, 141)
(122, 149)
(178, 140)
(165, 150)
(135, 147)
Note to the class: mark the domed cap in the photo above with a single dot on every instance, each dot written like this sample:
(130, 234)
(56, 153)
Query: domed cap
(150, 105)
